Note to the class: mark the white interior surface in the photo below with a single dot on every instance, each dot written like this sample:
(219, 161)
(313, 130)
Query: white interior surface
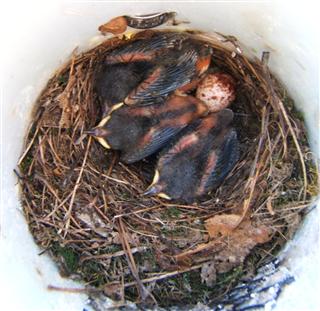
(40, 36)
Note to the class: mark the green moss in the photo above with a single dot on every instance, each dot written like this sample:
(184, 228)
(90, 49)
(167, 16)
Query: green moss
(176, 231)
(62, 80)
(173, 212)
(229, 277)
(189, 289)
(25, 164)
(313, 179)
(148, 256)
(91, 272)
(289, 104)
(112, 249)
(91, 267)
(298, 114)
(70, 257)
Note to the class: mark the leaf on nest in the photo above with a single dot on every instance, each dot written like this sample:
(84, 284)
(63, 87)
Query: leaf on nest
(227, 225)
(93, 221)
(223, 224)
(239, 239)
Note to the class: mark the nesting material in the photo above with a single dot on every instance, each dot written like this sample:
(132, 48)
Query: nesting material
(84, 207)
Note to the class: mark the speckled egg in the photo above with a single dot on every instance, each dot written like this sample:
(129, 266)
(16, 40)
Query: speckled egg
(217, 90)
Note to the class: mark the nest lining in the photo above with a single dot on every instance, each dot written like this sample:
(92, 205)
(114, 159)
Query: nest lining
(85, 208)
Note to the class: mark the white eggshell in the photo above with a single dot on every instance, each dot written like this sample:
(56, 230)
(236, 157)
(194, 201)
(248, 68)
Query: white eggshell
(217, 90)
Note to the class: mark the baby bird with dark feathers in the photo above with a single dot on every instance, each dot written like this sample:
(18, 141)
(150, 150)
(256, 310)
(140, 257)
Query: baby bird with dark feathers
(114, 82)
(198, 159)
(176, 61)
(139, 131)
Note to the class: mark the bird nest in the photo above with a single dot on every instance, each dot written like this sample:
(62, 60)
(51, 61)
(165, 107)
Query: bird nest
(84, 207)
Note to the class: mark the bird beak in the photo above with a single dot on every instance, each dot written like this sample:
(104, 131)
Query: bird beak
(99, 131)
(154, 190)
(164, 196)
(99, 134)
(151, 191)
(91, 132)
(155, 178)
(114, 108)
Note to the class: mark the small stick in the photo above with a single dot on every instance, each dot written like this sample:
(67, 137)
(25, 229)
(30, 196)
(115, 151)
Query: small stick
(107, 177)
(83, 290)
(199, 248)
(295, 140)
(165, 275)
(29, 146)
(144, 293)
(116, 254)
(68, 213)
(276, 100)
(255, 169)
(138, 211)
(102, 215)
(114, 158)
(184, 206)
(58, 206)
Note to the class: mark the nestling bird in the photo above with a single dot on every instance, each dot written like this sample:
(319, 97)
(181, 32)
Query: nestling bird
(178, 60)
(217, 90)
(112, 83)
(139, 131)
(146, 49)
(198, 160)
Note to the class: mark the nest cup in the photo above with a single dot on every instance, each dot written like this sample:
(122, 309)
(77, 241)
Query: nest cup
(42, 268)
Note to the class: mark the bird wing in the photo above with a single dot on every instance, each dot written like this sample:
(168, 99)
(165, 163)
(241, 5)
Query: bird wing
(143, 50)
(165, 79)
(226, 160)
(152, 141)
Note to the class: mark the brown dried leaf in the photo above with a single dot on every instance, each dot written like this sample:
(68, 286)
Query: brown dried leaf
(115, 26)
(239, 239)
(223, 224)
(93, 221)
